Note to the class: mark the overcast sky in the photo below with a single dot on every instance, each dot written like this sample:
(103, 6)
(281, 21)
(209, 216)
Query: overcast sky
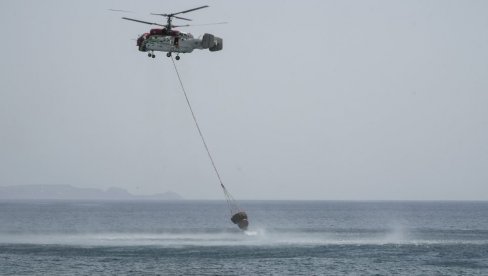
(308, 99)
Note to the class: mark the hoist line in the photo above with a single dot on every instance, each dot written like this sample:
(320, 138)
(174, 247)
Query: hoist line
(230, 199)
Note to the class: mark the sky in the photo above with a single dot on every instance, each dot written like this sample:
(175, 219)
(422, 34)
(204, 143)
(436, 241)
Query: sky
(313, 100)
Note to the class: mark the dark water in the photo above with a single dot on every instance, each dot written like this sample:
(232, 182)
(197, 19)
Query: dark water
(285, 238)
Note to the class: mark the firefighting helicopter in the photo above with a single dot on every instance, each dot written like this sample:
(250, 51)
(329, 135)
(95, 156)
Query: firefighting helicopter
(168, 40)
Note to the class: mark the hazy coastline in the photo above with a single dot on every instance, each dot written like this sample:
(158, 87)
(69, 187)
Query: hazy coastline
(68, 192)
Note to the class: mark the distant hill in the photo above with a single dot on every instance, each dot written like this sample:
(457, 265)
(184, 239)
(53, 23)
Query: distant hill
(67, 192)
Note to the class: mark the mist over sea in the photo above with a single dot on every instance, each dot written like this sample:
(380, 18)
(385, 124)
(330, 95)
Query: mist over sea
(285, 238)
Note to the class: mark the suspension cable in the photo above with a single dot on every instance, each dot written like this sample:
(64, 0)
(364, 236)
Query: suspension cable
(230, 200)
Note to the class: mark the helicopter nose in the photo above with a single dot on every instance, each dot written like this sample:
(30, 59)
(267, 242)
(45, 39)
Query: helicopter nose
(140, 39)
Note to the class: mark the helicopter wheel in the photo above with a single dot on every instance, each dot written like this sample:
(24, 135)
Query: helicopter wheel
(168, 54)
(177, 57)
(153, 56)
(149, 54)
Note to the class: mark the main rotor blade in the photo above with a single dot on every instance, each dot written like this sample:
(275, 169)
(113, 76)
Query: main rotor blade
(140, 21)
(192, 25)
(182, 18)
(116, 10)
(169, 15)
(206, 6)
(206, 24)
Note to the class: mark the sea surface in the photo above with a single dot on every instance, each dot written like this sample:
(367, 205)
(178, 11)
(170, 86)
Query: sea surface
(285, 238)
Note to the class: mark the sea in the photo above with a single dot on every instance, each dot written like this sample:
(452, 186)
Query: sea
(284, 238)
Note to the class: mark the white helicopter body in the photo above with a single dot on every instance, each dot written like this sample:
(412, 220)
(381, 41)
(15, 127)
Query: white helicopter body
(173, 41)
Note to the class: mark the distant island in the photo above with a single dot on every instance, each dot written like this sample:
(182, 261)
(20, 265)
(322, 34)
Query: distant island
(68, 192)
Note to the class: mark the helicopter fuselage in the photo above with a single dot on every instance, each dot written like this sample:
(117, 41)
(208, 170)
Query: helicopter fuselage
(165, 43)
(176, 42)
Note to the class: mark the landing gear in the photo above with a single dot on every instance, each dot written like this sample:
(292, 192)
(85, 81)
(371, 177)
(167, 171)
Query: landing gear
(151, 54)
(168, 54)
(177, 57)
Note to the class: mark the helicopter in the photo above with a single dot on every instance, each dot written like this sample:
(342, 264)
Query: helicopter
(169, 40)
